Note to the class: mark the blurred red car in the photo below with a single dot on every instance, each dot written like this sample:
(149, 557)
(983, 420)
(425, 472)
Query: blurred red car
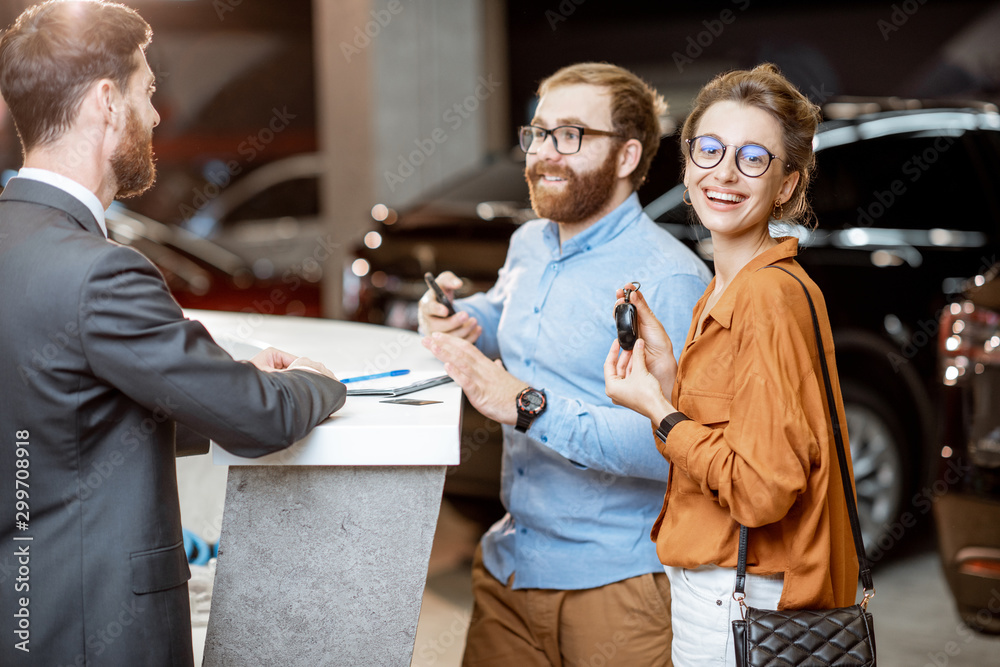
(967, 491)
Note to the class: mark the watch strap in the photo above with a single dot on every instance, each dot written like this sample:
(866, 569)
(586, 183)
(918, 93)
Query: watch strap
(668, 422)
(523, 421)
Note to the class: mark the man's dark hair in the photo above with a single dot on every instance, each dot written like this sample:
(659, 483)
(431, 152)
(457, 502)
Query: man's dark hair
(55, 51)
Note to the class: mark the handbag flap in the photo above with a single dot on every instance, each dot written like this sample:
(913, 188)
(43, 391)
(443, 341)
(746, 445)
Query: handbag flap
(841, 637)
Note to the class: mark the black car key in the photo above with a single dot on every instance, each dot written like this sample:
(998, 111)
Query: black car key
(627, 321)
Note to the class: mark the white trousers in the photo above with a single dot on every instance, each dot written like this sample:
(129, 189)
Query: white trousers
(702, 610)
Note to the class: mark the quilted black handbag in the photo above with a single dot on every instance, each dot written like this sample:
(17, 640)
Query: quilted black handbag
(843, 637)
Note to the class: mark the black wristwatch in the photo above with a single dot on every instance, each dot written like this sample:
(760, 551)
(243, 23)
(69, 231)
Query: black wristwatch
(530, 404)
(668, 422)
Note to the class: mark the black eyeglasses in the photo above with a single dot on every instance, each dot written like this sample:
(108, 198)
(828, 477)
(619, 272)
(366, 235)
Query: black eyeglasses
(567, 139)
(752, 160)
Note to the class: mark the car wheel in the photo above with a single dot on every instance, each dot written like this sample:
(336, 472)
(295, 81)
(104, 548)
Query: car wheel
(881, 466)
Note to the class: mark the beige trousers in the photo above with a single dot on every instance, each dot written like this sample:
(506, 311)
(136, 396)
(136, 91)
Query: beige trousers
(624, 623)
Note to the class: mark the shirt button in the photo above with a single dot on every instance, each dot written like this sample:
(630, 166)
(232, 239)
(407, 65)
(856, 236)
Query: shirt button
(718, 602)
(520, 471)
(537, 309)
(527, 362)
(524, 531)
(544, 438)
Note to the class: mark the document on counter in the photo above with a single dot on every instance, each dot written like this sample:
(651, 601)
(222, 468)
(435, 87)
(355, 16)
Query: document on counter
(391, 386)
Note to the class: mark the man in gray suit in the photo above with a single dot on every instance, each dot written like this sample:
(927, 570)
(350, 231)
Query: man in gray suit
(99, 366)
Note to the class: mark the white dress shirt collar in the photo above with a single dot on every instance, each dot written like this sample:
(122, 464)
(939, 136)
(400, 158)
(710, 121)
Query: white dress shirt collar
(71, 187)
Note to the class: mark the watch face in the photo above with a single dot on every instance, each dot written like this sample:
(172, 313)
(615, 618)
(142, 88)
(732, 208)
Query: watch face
(531, 401)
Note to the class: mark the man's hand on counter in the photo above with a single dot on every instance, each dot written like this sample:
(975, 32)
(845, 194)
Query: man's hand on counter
(273, 359)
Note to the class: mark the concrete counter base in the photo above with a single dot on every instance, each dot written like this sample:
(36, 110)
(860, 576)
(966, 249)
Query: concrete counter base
(322, 565)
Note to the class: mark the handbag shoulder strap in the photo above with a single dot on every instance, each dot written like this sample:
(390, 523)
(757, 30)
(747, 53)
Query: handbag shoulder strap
(845, 477)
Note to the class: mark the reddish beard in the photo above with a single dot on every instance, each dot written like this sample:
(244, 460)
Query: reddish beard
(584, 194)
(132, 162)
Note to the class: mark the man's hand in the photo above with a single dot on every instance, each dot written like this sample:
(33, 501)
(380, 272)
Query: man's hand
(273, 360)
(659, 350)
(432, 315)
(489, 387)
(303, 364)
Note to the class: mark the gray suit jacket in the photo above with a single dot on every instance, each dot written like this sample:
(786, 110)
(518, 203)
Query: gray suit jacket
(97, 365)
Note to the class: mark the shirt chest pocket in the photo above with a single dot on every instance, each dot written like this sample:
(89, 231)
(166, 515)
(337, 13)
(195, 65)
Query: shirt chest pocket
(707, 408)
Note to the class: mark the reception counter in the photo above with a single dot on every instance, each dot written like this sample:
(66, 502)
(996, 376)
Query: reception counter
(324, 547)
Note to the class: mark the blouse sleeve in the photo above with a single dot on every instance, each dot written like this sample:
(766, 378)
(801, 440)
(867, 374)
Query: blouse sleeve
(756, 459)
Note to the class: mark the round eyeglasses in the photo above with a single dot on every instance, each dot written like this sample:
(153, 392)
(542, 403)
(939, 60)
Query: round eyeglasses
(752, 160)
(567, 139)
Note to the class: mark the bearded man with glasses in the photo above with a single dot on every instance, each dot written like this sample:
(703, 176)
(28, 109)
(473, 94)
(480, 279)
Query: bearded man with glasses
(569, 575)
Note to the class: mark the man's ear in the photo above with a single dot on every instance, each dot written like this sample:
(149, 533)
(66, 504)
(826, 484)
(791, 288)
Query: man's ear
(628, 158)
(99, 107)
(110, 102)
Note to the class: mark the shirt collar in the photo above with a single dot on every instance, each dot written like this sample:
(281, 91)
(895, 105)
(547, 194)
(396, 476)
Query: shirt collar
(600, 232)
(71, 187)
(722, 313)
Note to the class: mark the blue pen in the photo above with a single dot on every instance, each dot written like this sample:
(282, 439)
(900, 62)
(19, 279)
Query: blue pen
(375, 376)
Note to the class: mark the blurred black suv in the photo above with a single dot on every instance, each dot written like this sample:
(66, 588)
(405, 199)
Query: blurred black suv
(908, 205)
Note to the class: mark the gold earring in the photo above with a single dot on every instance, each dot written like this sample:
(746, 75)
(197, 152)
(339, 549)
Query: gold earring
(686, 197)
(777, 204)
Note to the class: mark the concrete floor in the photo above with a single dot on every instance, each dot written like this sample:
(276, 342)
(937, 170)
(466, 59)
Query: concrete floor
(915, 620)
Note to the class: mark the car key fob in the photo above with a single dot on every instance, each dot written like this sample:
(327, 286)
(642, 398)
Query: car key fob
(627, 322)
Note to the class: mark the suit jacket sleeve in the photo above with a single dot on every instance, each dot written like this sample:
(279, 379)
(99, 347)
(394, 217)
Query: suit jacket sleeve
(136, 339)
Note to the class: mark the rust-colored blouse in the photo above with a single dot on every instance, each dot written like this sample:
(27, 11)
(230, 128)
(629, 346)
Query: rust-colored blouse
(760, 449)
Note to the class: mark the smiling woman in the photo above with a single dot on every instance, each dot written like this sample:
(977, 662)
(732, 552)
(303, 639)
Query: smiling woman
(734, 197)
(743, 418)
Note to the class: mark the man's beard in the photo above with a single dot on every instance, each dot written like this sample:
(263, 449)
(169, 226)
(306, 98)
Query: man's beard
(132, 162)
(584, 195)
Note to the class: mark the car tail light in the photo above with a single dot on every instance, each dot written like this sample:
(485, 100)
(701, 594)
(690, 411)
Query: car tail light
(979, 562)
(969, 353)
(969, 341)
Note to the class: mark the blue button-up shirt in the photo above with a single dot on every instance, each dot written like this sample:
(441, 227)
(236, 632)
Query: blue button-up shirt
(584, 485)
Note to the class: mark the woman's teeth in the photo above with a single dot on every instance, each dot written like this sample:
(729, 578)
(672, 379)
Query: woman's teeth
(724, 196)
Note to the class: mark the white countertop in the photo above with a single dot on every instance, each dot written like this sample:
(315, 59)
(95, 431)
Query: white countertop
(364, 431)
